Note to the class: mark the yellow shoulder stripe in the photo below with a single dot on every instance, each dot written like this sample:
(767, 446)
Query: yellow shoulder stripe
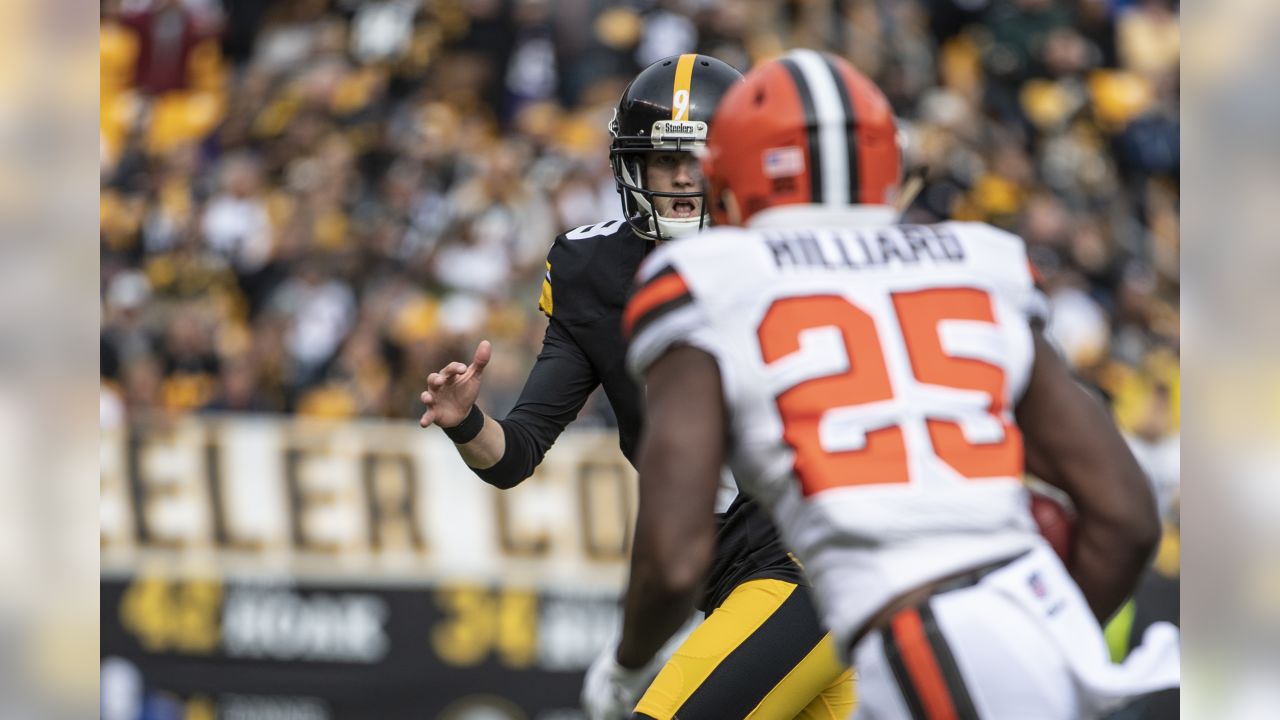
(544, 300)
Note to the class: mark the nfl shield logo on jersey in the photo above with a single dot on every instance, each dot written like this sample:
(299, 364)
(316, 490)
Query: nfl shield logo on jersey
(1037, 585)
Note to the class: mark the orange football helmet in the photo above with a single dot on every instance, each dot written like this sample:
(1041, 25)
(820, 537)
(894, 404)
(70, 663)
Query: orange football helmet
(804, 128)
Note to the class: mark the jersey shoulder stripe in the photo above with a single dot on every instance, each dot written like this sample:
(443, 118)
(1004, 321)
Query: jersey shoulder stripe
(546, 302)
(664, 292)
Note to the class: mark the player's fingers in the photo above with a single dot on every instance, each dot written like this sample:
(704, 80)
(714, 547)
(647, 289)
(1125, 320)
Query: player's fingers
(484, 351)
(451, 372)
(426, 397)
(435, 381)
(427, 418)
(450, 375)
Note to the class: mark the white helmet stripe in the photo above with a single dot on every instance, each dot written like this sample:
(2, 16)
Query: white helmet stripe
(833, 126)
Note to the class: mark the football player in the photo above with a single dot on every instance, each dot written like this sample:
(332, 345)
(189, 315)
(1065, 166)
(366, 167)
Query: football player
(872, 384)
(761, 651)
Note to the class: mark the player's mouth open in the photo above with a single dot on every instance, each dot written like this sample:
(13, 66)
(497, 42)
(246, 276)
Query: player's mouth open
(683, 208)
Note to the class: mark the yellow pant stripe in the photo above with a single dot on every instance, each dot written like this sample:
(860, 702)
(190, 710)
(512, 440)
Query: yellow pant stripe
(741, 614)
(762, 655)
(820, 684)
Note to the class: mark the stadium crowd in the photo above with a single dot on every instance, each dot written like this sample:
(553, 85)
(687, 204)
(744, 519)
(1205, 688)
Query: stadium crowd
(307, 205)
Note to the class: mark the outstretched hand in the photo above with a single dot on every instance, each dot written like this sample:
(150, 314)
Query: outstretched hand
(451, 392)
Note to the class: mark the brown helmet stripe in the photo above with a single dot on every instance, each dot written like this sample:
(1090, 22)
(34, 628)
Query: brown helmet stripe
(811, 122)
(828, 126)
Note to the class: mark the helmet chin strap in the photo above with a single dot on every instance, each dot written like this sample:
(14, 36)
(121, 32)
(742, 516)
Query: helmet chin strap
(667, 228)
(673, 228)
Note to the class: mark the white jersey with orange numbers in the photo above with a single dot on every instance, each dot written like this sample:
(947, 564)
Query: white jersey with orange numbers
(871, 371)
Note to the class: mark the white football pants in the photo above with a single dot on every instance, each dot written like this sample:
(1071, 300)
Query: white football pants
(1020, 644)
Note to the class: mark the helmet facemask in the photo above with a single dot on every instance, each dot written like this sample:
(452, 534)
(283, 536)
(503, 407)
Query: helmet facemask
(630, 155)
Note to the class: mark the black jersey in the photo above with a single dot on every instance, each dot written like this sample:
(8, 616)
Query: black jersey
(589, 275)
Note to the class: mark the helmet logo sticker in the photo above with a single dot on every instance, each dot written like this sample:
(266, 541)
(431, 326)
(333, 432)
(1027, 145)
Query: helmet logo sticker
(783, 162)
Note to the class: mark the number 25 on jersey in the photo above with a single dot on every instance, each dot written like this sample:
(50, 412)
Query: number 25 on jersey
(882, 458)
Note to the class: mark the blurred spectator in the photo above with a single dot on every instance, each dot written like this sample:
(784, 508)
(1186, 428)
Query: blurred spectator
(167, 33)
(295, 35)
(320, 309)
(241, 27)
(1158, 450)
(237, 389)
(667, 31)
(235, 222)
(370, 187)
(505, 213)
(531, 72)
(382, 30)
(190, 365)
(1148, 37)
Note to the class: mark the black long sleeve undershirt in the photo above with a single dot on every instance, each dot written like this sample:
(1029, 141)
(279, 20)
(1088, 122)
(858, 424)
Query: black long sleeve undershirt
(558, 386)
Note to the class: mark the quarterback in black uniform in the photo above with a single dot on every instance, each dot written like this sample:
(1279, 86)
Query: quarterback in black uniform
(761, 651)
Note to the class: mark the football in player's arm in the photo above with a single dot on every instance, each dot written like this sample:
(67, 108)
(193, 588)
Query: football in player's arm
(1072, 443)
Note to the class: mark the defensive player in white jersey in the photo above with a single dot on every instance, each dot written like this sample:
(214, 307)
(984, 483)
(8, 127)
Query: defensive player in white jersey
(874, 385)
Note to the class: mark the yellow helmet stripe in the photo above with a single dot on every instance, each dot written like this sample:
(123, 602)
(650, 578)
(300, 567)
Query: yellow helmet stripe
(680, 92)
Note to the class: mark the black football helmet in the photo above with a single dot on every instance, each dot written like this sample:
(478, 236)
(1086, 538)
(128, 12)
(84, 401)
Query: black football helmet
(666, 108)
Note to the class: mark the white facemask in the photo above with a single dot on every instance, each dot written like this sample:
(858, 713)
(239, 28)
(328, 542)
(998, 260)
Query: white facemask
(668, 228)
